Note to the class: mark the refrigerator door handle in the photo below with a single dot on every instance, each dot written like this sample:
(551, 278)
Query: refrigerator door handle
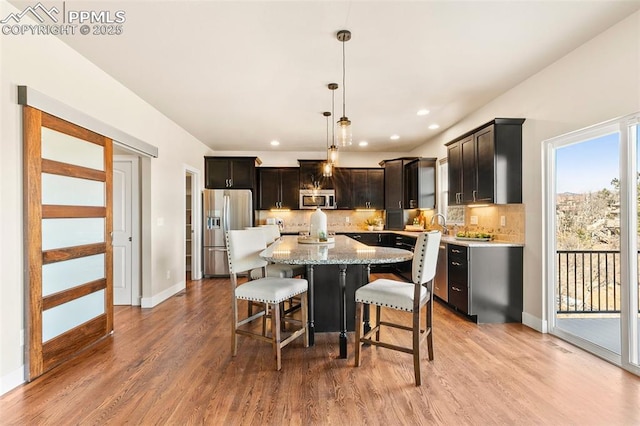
(225, 214)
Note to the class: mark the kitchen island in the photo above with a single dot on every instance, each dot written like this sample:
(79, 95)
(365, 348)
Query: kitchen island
(331, 289)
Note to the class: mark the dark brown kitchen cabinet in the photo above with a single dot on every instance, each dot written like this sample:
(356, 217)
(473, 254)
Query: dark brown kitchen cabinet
(343, 187)
(368, 188)
(278, 188)
(485, 165)
(359, 188)
(485, 282)
(420, 183)
(230, 172)
(311, 175)
(394, 183)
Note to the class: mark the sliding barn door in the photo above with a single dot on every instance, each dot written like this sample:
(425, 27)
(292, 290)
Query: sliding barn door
(68, 225)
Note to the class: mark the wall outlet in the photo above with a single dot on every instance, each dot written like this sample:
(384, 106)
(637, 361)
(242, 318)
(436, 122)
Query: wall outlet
(474, 220)
(346, 219)
(168, 274)
(503, 221)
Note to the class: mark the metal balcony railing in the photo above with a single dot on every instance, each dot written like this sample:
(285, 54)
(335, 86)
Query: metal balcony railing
(589, 281)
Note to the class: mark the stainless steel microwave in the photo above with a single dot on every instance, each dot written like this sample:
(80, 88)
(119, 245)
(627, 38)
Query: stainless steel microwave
(312, 198)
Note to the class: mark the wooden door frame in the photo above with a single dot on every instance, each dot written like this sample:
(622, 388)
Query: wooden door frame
(42, 356)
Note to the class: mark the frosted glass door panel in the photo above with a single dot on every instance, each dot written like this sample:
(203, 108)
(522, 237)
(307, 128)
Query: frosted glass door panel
(63, 318)
(68, 149)
(58, 233)
(69, 191)
(64, 275)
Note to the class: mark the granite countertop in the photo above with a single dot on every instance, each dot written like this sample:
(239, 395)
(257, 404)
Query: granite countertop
(448, 239)
(344, 250)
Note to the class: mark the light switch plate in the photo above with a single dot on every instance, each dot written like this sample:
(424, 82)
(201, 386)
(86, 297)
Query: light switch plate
(474, 220)
(503, 221)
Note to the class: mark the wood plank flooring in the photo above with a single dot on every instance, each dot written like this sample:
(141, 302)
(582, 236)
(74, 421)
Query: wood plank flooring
(172, 365)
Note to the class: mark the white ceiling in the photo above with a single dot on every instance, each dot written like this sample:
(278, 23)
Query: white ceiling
(239, 74)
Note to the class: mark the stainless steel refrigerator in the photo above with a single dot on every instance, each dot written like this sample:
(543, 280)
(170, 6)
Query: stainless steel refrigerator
(223, 209)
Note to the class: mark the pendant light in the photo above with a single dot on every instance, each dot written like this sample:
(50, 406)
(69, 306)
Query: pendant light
(327, 167)
(344, 124)
(332, 152)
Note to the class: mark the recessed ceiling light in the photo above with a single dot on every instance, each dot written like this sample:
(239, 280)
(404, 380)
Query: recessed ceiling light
(275, 143)
(363, 143)
(394, 137)
(434, 126)
(422, 112)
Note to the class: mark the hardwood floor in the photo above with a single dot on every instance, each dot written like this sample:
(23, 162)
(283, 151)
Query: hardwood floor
(172, 365)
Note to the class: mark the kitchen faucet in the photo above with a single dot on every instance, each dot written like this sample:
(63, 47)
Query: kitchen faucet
(444, 222)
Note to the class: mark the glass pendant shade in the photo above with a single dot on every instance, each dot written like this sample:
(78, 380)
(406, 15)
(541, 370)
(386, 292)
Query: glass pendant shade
(332, 154)
(327, 169)
(344, 131)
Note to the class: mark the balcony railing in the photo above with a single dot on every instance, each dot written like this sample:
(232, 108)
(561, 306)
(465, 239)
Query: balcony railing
(589, 281)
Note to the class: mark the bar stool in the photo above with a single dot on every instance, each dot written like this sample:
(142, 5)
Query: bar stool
(243, 248)
(409, 297)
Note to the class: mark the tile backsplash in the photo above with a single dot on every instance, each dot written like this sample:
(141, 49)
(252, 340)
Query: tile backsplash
(488, 220)
(337, 220)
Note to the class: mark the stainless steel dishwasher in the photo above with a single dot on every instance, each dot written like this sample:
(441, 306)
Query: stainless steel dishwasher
(440, 285)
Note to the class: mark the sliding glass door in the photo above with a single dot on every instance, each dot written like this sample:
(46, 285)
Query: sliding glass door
(591, 202)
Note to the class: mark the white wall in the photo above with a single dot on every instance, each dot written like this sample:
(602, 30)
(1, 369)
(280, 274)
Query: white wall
(52, 68)
(598, 81)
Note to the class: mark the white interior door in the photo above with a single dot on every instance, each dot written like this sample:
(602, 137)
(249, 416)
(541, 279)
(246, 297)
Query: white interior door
(122, 233)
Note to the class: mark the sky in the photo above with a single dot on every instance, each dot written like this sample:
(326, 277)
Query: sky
(588, 166)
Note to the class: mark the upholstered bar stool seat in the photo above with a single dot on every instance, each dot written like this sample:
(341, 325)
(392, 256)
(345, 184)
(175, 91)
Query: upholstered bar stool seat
(391, 294)
(271, 290)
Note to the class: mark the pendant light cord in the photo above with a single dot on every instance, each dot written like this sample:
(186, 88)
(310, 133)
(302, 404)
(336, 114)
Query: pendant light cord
(327, 138)
(333, 132)
(344, 88)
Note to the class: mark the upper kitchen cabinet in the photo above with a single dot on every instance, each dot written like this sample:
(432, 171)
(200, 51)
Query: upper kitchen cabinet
(485, 164)
(343, 187)
(311, 176)
(394, 183)
(368, 188)
(230, 172)
(359, 188)
(420, 184)
(278, 188)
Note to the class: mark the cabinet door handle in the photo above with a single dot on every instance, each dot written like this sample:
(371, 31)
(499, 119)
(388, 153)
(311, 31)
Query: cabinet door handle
(230, 182)
(455, 251)
(399, 204)
(456, 263)
(455, 288)
(473, 194)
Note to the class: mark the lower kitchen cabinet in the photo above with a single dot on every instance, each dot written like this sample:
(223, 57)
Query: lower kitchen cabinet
(440, 281)
(485, 282)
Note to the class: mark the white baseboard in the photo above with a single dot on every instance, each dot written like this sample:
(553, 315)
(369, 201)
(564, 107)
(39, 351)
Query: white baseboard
(150, 302)
(12, 380)
(534, 322)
